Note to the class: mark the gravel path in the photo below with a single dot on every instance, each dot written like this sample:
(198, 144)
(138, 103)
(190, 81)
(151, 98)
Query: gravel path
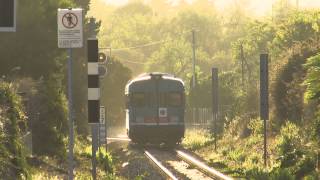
(131, 162)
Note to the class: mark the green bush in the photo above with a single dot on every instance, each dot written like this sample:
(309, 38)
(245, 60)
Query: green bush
(257, 173)
(289, 145)
(313, 176)
(106, 161)
(278, 174)
(197, 138)
(305, 166)
(281, 174)
(50, 127)
(294, 156)
(13, 163)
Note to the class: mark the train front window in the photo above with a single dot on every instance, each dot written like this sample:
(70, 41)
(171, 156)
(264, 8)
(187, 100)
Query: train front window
(174, 99)
(162, 99)
(138, 99)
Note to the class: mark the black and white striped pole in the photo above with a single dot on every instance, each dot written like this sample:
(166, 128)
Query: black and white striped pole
(93, 98)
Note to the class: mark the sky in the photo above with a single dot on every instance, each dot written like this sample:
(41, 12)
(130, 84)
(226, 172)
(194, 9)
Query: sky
(258, 7)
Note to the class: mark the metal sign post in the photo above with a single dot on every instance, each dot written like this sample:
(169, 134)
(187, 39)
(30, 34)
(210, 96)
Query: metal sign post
(102, 71)
(70, 110)
(215, 103)
(102, 128)
(70, 36)
(264, 100)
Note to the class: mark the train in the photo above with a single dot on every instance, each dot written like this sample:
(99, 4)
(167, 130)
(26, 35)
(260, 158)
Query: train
(155, 106)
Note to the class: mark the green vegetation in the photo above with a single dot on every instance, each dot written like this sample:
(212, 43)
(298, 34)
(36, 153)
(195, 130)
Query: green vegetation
(197, 138)
(113, 84)
(290, 157)
(48, 167)
(157, 36)
(32, 63)
(13, 162)
(233, 42)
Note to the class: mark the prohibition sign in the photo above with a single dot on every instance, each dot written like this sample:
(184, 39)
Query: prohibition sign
(69, 20)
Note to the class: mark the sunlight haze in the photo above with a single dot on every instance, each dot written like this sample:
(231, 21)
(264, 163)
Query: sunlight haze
(254, 7)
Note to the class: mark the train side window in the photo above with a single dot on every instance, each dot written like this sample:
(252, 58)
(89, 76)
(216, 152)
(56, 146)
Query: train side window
(174, 99)
(138, 99)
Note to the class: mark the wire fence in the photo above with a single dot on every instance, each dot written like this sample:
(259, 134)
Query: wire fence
(199, 117)
(203, 117)
(27, 141)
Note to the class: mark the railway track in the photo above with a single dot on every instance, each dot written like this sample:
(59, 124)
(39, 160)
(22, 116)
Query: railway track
(177, 164)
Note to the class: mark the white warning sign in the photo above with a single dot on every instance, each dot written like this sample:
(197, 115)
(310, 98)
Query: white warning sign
(70, 28)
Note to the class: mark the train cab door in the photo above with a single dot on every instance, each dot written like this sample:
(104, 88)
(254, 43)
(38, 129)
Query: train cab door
(171, 103)
(156, 108)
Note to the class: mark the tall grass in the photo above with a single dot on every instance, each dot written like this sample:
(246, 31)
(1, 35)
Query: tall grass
(197, 138)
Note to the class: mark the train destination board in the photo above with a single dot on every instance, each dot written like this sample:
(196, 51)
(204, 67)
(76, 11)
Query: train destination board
(70, 28)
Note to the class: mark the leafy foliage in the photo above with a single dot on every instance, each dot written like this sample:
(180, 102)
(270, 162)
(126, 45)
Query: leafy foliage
(52, 118)
(312, 81)
(12, 127)
(197, 138)
(113, 86)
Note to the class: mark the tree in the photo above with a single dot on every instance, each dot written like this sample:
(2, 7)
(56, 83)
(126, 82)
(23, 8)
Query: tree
(132, 25)
(112, 88)
(175, 57)
(34, 49)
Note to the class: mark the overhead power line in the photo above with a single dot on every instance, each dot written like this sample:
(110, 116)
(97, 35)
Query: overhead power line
(148, 44)
(138, 46)
(142, 46)
(133, 62)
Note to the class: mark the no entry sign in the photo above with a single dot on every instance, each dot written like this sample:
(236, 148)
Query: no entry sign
(70, 28)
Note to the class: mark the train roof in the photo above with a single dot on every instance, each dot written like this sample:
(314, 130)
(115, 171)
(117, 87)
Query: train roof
(148, 76)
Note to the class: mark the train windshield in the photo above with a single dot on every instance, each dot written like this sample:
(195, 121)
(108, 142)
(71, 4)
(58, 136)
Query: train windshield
(138, 99)
(167, 99)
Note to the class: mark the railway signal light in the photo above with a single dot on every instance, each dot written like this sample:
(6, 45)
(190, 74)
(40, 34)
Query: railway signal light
(102, 69)
(102, 58)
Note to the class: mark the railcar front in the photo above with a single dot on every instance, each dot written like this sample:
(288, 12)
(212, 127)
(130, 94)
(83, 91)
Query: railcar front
(155, 109)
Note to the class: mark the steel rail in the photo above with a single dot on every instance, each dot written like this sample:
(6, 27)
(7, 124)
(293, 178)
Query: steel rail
(118, 139)
(163, 169)
(202, 166)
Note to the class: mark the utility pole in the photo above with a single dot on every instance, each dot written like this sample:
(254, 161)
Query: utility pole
(194, 75)
(215, 103)
(264, 99)
(242, 65)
